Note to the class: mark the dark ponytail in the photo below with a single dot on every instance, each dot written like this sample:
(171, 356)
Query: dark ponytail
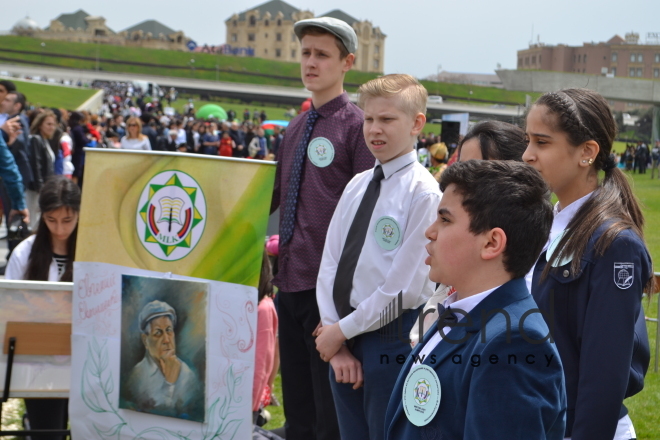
(585, 115)
(57, 192)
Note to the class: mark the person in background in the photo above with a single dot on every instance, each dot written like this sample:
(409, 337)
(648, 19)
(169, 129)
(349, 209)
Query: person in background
(227, 145)
(135, 139)
(42, 159)
(48, 255)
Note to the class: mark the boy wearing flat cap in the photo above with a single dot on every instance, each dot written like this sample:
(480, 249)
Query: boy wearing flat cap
(322, 150)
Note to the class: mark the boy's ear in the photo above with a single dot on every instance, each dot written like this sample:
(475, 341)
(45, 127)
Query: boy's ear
(348, 62)
(494, 245)
(420, 121)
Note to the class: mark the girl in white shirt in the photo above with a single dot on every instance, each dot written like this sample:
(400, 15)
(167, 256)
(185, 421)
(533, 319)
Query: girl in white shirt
(48, 256)
(134, 139)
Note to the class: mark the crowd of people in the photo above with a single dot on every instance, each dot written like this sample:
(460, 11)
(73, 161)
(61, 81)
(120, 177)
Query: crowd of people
(403, 266)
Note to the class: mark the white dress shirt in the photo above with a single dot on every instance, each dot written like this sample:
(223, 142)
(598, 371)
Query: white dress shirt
(465, 305)
(562, 217)
(410, 195)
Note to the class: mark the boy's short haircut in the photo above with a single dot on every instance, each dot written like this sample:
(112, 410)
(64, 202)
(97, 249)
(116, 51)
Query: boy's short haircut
(8, 85)
(413, 95)
(508, 195)
(314, 30)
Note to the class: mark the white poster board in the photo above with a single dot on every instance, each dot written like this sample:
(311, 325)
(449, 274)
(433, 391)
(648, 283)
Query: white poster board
(35, 301)
(96, 346)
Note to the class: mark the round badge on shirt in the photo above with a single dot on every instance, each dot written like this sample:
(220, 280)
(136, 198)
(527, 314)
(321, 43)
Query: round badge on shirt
(421, 395)
(320, 152)
(387, 233)
(551, 250)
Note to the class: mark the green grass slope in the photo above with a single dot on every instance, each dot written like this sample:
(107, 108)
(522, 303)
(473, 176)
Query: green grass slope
(47, 95)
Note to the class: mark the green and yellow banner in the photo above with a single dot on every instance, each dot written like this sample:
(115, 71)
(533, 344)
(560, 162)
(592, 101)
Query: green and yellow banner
(192, 215)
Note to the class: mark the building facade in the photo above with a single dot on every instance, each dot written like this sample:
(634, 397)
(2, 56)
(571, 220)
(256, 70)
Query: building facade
(622, 57)
(81, 27)
(266, 31)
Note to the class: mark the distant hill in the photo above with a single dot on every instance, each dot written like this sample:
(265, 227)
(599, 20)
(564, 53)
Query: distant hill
(84, 56)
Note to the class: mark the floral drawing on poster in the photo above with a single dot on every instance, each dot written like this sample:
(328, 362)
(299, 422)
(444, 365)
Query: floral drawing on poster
(163, 347)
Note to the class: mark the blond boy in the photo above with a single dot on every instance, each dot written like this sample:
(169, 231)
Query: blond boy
(372, 267)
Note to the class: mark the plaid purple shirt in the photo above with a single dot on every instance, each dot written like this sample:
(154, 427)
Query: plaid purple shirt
(340, 121)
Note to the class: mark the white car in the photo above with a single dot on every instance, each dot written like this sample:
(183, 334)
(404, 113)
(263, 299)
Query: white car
(435, 99)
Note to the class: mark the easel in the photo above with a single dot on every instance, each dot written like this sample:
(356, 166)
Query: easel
(35, 338)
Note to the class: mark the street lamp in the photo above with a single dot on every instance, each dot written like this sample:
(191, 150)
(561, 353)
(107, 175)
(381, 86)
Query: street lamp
(192, 67)
(43, 47)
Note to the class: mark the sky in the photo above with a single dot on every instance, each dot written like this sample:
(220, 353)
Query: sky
(423, 36)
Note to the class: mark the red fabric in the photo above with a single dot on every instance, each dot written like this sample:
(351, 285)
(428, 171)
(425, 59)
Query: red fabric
(225, 147)
(94, 132)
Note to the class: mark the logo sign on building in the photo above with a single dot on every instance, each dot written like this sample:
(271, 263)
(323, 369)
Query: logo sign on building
(228, 49)
(191, 45)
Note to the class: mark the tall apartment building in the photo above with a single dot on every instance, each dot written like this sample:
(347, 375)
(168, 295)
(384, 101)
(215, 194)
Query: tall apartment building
(266, 31)
(623, 57)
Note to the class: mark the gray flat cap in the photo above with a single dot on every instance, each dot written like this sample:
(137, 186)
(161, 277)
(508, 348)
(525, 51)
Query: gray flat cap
(153, 310)
(339, 28)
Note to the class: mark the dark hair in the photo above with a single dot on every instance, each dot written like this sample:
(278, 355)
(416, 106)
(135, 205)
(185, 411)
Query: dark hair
(8, 85)
(584, 115)
(508, 195)
(315, 30)
(498, 140)
(57, 192)
(265, 285)
(75, 118)
(20, 99)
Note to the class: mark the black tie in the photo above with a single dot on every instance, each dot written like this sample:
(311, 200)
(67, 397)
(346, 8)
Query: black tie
(446, 317)
(341, 292)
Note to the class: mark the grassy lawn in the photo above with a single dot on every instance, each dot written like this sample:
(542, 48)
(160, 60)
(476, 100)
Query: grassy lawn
(231, 68)
(47, 95)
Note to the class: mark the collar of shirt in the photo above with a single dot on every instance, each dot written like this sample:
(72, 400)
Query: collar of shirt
(465, 305)
(563, 216)
(330, 107)
(396, 165)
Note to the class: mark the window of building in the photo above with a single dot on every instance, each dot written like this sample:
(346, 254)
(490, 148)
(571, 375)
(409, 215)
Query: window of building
(633, 57)
(235, 23)
(250, 37)
(293, 38)
(656, 73)
(579, 58)
(266, 22)
(376, 49)
(266, 51)
(534, 59)
(99, 33)
(526, 61)
(234, 37)
(574, 57)
(278, 53)
(640, 72)
(293, 53)
(615, 57)
(278, 37)
(657, 58)
(253, 21)
(584, 59)
(539, 59)
(632, 72)
(613, 71)
(266, 35)
(520, 62)
(640, 58)
(279, 22)
(376, 64)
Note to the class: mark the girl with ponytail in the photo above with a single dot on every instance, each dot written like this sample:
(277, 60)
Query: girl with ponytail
(590, 277)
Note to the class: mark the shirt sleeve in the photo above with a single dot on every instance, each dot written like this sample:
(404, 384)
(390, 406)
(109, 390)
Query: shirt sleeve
(11, 177)
(608, 338)
(408, 273)
(17, 264)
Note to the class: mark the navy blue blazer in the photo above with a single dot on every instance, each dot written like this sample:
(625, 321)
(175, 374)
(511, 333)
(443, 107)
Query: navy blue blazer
(497, 384)
(597, 321)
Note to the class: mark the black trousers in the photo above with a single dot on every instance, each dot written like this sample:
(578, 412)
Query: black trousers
(308, 404)
(47, 414)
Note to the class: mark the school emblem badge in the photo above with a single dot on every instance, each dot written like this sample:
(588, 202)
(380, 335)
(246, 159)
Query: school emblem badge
(623, 275)
(171, 215)
(422, 391)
